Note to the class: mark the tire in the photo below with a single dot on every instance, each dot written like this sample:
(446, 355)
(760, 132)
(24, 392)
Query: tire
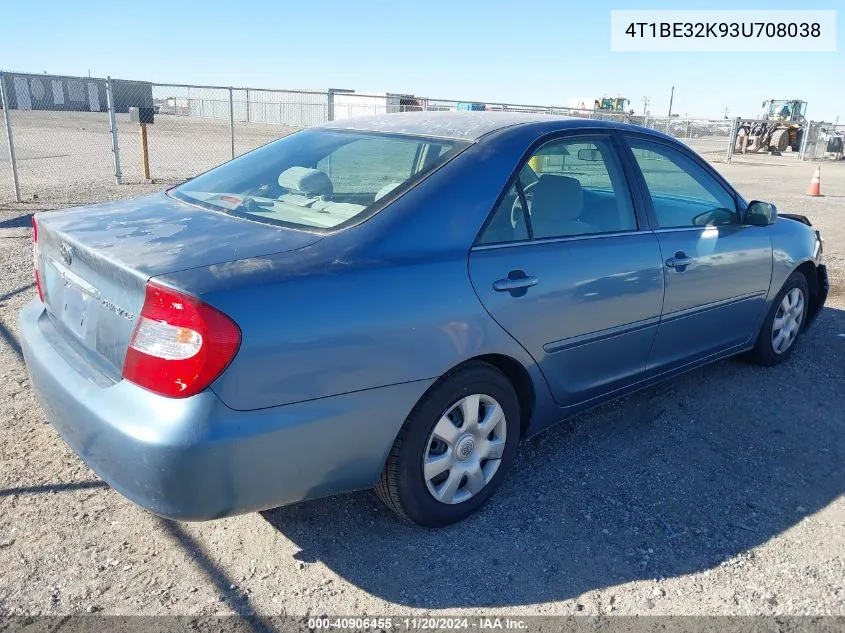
(780, 140)
(404, 488)
(765, 351)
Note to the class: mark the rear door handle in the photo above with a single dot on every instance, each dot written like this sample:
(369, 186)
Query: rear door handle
(505, 285)
(680, 260)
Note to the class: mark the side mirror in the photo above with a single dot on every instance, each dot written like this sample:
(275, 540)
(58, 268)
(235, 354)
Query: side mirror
(761, 213)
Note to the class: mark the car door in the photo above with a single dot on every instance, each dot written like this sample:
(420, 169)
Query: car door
(717, 270)
(567, 267)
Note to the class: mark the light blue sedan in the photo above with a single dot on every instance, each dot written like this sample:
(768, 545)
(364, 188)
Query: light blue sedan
(394, 302)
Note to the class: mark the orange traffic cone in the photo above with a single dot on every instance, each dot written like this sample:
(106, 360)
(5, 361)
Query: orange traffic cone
(816, 183)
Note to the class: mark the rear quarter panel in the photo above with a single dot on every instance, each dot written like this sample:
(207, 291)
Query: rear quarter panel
(351, 330)
(383, 303)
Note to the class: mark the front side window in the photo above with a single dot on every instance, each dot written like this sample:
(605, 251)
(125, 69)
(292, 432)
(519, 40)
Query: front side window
(317, 179)
(682, 193)
(571, 187)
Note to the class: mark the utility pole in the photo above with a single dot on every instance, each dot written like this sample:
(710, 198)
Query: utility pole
(645, 105)
(671, 99)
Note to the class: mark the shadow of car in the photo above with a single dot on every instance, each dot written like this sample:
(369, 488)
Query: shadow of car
(668, 482)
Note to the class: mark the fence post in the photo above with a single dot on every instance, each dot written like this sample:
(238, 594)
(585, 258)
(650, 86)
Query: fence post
(232, 121)
(8, 120)
(330, 104)
(114, 148)
(804, 138)
(732, 140)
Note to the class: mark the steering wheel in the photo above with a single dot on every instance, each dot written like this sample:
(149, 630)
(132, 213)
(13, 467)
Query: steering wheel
(516, 208)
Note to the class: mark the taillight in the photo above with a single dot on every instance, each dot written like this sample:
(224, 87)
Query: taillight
(180, 345)
(35, 259)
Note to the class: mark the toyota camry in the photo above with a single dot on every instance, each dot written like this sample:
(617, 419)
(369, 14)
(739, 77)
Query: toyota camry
(394, 302)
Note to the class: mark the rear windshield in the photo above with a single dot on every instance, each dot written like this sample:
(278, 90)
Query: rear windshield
(318, 179)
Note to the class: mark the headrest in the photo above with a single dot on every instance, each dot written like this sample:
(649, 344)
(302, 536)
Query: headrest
(305, 181)
(381, 193)
(557, 197)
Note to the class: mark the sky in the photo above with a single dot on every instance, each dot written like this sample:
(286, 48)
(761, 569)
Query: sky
(541, 53)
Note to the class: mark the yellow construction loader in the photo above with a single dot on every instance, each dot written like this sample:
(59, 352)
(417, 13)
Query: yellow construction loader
(781, 125)
(611, 104)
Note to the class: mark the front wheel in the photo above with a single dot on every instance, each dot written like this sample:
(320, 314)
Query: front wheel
(454, 449)
(784, 323)
(780, 140)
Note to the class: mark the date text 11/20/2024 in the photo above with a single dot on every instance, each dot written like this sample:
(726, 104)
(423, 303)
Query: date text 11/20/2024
(417, 623)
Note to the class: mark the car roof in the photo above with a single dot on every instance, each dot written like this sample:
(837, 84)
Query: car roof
(468, 125)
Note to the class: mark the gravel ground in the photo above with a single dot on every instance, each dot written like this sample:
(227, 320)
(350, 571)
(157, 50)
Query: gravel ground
(66, 157)
(719, 492)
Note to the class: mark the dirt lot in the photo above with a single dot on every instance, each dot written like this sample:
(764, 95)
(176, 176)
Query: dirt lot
(718, 492)
(66, 157)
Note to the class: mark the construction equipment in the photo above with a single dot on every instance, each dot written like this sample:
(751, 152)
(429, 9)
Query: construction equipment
(611, 104)
(781, 125)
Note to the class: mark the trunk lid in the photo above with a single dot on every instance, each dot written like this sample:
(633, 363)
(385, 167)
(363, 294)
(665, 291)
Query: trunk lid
(94, 263)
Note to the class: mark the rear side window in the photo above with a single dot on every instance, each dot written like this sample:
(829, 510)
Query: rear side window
(682, 193)
(571, 187)
(318, 179)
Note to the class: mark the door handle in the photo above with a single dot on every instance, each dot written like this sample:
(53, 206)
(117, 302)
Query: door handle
(680, 260)
(515, 283)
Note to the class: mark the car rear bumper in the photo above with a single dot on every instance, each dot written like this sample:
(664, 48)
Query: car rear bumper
(196, 459)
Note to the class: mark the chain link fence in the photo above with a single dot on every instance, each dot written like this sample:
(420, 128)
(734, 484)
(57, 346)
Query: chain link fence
(9, 187)
(711, 138)
(66, 139)
(196, 128)
(822, 141)
(807, 141)
(59, 128)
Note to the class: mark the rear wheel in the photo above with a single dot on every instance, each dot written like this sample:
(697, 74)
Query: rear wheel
(784, 323)
(454, 449)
